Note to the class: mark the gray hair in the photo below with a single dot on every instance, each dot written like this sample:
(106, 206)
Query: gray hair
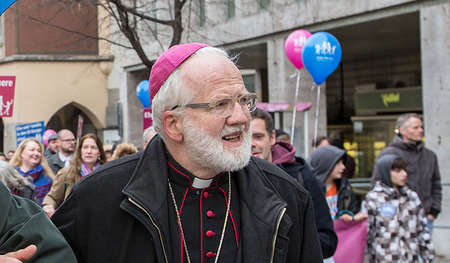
(403, 120)
(173, 92)
(146, 132)
(10, 177)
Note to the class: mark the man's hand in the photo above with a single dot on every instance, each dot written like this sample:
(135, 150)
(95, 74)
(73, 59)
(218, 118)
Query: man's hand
(360, 217)
(346, 218)
(19, 256)
(430, 216)
(49, 210)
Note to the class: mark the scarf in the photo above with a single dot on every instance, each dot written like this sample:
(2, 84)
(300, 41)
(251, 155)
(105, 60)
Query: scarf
(85, 170)
(33, 173)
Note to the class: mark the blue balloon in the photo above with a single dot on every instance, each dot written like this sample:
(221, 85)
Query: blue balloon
(142, 93)
(321, 55)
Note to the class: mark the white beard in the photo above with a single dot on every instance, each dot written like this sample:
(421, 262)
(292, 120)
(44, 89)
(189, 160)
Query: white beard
(209, 152)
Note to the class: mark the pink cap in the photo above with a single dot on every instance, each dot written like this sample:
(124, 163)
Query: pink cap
(168, 62)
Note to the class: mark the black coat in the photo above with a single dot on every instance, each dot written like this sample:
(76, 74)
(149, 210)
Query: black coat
(119, 213)
(324, 223)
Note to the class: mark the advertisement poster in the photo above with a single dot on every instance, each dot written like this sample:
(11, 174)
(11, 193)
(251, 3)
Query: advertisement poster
(7, 86)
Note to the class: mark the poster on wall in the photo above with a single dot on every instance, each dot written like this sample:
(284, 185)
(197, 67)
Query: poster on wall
(7, 86)
(147, 118)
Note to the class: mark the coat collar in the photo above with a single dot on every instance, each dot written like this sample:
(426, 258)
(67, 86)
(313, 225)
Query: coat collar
(149, 188)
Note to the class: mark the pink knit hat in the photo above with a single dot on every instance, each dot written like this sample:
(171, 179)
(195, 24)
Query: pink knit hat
(168, 62)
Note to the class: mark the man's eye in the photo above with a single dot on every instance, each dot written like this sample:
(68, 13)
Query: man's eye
(244, 100)
(221, 104)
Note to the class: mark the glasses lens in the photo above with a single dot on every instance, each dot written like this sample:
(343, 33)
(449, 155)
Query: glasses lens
(221, 107)
(251, 102)
(224, 107)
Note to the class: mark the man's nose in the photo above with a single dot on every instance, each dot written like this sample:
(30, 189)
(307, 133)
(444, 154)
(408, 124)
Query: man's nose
(238, 116)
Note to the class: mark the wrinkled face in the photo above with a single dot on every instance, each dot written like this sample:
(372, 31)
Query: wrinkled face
(261, 141)
(398, 177)
(67, 143)
(337, 171)
(53, 145)
(89, 151)
(219, 143)
(31, 154)
(413, 133)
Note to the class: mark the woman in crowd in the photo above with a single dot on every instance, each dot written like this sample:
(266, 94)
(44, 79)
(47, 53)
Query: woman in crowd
(30, 162)
(17, 184)
(123, 149)
(89, 155)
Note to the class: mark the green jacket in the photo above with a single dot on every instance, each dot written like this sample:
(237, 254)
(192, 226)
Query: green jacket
(24, 223)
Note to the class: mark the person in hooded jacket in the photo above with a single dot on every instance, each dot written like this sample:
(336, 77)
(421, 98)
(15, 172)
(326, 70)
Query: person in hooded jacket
(282, 153)
(397, 222)
(328, 166)
(424, 176)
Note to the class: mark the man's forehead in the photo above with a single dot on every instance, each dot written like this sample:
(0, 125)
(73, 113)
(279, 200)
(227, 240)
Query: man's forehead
(258, 123)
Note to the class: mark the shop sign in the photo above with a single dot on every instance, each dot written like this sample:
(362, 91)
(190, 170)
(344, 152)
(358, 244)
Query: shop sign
(404, 99)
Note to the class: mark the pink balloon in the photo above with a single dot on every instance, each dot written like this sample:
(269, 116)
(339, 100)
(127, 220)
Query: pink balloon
(46, 135)
(294, 46)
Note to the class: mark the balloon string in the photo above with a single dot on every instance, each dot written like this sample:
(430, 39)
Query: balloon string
(294, 114)
(317, 115)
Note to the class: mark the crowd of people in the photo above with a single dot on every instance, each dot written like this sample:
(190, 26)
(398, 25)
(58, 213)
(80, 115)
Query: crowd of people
(216, 183)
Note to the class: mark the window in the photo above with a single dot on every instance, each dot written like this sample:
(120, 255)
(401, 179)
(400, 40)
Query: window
(249, 82)
(263, 5)
(201, 12)
(231, 9)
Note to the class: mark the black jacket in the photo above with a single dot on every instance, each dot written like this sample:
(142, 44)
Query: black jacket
(324, 223)
(119, 213)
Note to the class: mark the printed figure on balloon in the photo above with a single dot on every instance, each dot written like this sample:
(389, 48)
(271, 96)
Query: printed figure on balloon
(325, 49)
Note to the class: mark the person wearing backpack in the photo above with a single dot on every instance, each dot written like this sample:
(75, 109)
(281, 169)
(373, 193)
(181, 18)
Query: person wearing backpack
(282, 154)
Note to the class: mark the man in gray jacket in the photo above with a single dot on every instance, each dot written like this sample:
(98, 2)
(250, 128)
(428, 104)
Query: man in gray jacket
(423, 168)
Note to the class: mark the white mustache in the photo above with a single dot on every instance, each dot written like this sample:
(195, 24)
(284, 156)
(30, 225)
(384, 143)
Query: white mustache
(227, 130)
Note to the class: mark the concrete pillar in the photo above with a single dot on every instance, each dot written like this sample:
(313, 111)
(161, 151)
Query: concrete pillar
(435, 36)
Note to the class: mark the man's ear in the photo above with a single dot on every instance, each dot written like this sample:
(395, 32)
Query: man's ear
(172, 126)
(273, 138)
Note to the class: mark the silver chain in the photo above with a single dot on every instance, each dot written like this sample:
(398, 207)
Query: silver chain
(224, 224)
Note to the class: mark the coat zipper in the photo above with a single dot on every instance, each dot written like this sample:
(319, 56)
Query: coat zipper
(276, 232)
(151, 219)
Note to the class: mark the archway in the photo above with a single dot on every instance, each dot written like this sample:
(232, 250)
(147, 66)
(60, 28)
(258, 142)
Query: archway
(67, 118)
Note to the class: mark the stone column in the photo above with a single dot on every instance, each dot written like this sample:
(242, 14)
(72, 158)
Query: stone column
(435, 39)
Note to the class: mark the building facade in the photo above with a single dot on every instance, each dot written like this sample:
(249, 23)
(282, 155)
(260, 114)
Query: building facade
(60, 67)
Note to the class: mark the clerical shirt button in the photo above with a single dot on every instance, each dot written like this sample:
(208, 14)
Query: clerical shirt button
(210, 233)
(206, 195)
(210, 254)
(210, 214)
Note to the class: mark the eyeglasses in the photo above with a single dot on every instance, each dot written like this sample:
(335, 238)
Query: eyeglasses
(224, 107)
(69, 140)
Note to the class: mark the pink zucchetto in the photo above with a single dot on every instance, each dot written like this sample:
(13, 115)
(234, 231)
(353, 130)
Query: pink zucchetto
(168, 62)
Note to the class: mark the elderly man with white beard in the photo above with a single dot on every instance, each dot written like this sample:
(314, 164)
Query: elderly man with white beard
(195, 194)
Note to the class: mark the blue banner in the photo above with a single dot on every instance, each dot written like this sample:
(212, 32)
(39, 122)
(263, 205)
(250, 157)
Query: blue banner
(35, 129)
(4, 4)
